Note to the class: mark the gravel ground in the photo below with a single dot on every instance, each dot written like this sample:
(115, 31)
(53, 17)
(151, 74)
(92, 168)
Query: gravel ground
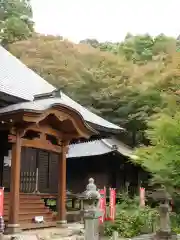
(72, 232)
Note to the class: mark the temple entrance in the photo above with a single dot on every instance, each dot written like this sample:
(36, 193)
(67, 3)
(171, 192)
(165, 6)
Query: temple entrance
(39, 171)
(28, 170)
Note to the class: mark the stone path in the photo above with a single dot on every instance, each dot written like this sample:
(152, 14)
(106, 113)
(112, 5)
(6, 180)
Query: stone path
(69, 233)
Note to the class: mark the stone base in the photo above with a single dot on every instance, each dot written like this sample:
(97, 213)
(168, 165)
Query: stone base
(102, 230)
(12, 229)
(61, 224)
(160, 235)
(1, 236)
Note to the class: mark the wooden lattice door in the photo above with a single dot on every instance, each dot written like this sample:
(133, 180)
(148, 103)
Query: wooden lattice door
(28, 170)
(43, 171)
(53, 172)
(48, 172)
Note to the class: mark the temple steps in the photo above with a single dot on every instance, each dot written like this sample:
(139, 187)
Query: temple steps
(30, 206)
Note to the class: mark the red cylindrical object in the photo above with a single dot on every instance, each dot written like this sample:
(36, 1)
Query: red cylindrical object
(112, 206)
(102, 204)
(1, 201)
(142, 197)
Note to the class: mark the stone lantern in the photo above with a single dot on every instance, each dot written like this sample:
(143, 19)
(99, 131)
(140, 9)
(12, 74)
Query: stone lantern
(165, 227)
(91, 212)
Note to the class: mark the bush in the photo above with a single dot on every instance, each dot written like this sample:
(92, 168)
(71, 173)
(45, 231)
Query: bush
(175, 222)
(132, 223)
(131, 220)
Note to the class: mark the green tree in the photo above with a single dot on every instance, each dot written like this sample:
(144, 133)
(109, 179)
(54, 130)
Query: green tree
(93, 42)
(137, 48)
(15, 20)
(162, 44)
(162, 156)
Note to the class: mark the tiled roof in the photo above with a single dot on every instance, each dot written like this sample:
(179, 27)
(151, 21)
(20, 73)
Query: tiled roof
(98, 147)
(44, 104)
(18, 80)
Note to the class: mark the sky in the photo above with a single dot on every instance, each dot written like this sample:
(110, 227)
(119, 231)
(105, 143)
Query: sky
(106, 20)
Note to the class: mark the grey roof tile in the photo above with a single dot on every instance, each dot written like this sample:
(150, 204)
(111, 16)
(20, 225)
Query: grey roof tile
(92, 148)
(18, 80)
(98, 147)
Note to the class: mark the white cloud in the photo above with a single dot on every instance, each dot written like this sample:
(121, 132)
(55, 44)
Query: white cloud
(106, 19)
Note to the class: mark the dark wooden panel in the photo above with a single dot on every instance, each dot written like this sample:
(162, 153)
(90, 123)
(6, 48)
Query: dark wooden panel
(28, 169)
(53, 172)
(43, 165)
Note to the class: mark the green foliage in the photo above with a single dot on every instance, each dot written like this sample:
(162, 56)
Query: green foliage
(93, 42)
(175, 222)
(131, 220)
(162, 156)
(15, 20)
(140, 48)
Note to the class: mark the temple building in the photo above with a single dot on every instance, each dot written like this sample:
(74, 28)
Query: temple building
(50, 144)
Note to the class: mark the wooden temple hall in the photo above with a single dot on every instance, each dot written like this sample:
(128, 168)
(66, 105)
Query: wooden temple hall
(50, 145)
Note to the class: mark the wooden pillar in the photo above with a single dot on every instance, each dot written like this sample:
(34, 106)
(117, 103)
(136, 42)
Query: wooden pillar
(13, 223)
(61, 219)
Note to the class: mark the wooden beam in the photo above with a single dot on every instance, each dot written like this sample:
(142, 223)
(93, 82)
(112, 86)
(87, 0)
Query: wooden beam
(36, 143)
(61, 218)
(13, 224)
(43, 129)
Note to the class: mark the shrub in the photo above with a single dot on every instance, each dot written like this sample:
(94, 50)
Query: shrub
(131, 220)
(132, 223)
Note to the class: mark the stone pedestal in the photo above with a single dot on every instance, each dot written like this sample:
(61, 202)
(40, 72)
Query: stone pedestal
(91, 220)
(61, 224)
(1, 236)
(12, 229)
(161, 235)
(165, 232)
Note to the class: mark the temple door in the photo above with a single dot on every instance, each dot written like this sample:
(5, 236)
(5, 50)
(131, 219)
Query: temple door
(47, 171)
(28, 170)
(43, 171)
(53, 172)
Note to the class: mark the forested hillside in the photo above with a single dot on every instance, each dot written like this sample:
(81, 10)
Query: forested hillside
(125, 86)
